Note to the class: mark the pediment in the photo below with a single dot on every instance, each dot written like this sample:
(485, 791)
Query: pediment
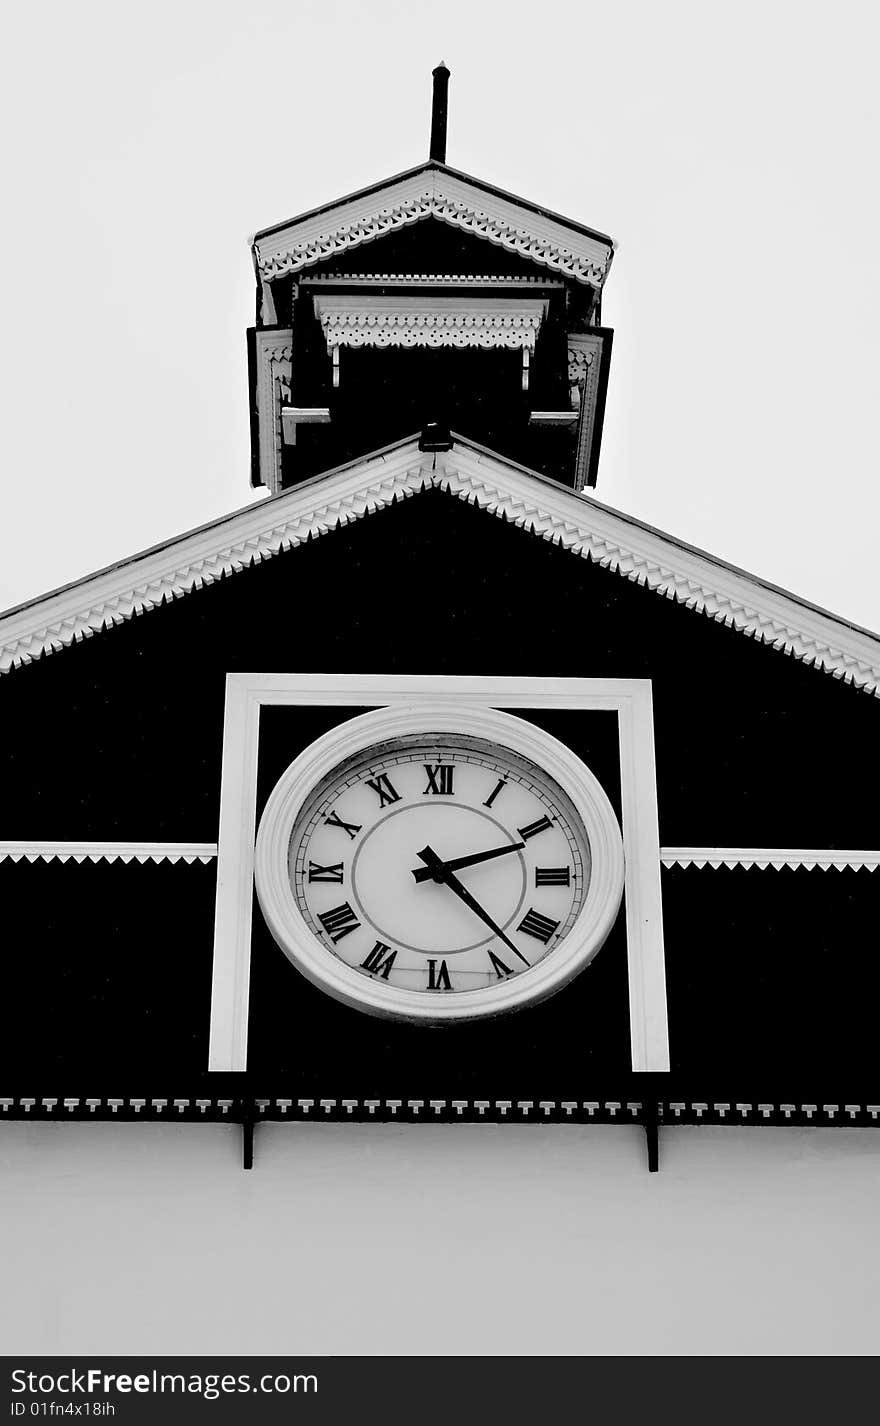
(548, 510)
(434, 190)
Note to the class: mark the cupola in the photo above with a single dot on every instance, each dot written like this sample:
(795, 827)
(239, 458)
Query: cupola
(431, 299)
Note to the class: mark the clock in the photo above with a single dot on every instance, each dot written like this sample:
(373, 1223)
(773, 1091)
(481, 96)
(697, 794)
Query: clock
(439, 864)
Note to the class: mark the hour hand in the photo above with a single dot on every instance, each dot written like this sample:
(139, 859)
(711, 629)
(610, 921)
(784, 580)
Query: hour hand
(428, 873)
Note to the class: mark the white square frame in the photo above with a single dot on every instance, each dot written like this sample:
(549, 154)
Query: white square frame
(248, 693)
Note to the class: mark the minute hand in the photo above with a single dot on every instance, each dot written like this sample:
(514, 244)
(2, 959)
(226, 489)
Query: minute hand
(449, 879)
(425, 873)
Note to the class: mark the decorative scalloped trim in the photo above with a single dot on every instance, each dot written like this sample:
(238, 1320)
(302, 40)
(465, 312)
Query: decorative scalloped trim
(452, 200)
(261, 540)
(688, 584)
(458, 215)
(573, 520)
(108, 851)
(356, 321)
(766, 857)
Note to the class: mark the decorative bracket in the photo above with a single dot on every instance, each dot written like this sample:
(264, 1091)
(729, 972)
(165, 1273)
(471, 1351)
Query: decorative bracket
(274, 357)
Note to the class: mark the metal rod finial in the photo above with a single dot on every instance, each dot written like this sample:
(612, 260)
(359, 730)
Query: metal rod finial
(439, 109)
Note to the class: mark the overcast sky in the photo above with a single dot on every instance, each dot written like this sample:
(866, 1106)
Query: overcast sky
(731, 151)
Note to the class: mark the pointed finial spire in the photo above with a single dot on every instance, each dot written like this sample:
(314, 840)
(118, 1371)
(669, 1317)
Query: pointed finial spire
(438, 113)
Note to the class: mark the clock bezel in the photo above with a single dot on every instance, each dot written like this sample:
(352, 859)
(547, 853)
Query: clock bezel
(349, 985)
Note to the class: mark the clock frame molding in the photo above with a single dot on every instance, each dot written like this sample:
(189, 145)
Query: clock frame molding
(248, 694)
(494, 729)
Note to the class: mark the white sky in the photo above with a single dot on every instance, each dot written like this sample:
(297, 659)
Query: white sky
(731, 150)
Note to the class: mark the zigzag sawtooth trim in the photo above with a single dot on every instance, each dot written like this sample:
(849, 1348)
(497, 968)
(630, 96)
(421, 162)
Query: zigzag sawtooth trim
(414, 1110)
(108, 851)
(764, 857)
(680, 586)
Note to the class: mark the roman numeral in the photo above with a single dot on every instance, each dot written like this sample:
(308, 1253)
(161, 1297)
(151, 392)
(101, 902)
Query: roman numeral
(534, 924)
(438, 979)
(553, 876)
(500, 969)
(325, 873)
(501, 783)
(439, 779)
(534, 828)
(339, 922)
(378, 962)
(384, 789)
(351, 828)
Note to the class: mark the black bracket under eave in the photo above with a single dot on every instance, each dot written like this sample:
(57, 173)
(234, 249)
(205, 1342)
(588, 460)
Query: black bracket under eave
(651, 1125)
(247, 1141)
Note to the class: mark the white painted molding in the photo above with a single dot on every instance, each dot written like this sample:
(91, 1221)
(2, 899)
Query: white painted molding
(584, 366)
(108, 851)
(247, 694)
(274, 374)
(573, 520)
(808, 858)
(553, 418)
(451, 198)
(293, 416)
(367, 320)
(199, 557)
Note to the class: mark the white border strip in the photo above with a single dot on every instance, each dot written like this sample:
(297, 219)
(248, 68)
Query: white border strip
(246, 694)
(768, 857)
(108, 851)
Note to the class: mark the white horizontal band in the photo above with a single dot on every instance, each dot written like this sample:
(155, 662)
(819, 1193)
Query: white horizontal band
(108, 851)
(768, 857)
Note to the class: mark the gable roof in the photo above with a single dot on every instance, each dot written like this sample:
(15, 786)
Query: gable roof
(549, 510)
(435, 190)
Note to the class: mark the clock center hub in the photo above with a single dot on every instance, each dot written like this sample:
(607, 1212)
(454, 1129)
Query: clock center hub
(427, 917)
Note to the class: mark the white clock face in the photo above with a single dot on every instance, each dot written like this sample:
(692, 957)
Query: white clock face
(438, 874)
(439, 863)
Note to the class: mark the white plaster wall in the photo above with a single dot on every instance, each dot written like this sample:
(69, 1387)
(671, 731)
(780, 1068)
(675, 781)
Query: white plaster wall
(378, 1239)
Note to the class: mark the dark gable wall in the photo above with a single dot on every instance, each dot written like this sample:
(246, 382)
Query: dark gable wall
(772, 975)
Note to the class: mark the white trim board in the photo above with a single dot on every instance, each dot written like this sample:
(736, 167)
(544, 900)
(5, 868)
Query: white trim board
(764, 857)
(551, 511)
(108, 851)
(247, 694)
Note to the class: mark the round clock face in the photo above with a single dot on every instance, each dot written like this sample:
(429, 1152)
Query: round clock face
(439, 873)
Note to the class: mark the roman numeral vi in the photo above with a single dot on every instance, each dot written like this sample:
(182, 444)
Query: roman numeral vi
(438, 979)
